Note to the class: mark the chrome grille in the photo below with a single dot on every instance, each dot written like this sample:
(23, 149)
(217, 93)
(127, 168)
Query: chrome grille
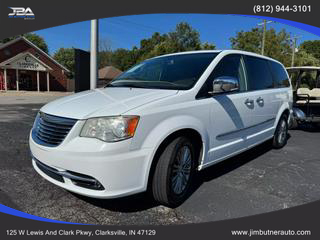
(51, 130)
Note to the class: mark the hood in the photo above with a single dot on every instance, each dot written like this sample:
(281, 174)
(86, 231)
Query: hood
(104, 102)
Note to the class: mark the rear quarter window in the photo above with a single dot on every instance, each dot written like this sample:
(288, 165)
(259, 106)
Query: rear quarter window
(259, 74)
(280, 75)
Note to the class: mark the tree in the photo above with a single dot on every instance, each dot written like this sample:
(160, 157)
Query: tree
(208, 46)
(65, 56)
(105, 53)
(148, 45)
(311, 47)
(32, 37)
(38, 41)
(104, 59)
(247, 41)
(277, 44)
(305, 59)
(122, 59)
(183, 38)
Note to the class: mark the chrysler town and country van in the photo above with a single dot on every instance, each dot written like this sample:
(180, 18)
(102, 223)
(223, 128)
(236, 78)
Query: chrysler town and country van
(158, 123)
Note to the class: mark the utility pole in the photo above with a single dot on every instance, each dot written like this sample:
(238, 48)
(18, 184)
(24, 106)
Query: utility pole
(293, 51)
(294, 45)
(263, 36)
(264, 23)
(94, 53)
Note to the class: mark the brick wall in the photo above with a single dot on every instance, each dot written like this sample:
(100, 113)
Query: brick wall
(58, 79)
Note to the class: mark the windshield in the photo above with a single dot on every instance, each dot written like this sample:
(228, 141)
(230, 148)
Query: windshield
(179, 72)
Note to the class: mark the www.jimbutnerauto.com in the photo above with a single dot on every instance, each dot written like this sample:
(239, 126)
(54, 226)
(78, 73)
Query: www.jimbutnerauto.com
(261, 232)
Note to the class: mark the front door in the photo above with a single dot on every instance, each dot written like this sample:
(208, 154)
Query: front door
(230, 113)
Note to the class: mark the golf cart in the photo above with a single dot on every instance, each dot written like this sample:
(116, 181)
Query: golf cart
(306, 94)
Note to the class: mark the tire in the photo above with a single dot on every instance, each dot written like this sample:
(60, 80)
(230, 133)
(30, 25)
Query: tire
(168, 173)
(280, 137)
(294, 123)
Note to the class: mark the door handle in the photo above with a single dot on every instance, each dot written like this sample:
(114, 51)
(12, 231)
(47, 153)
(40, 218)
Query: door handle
(260, 100)
(248, 102)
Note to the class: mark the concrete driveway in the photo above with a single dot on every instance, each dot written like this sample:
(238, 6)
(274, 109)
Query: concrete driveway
(257, 181)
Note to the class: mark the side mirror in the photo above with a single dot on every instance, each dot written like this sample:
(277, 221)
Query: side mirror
(225, 84)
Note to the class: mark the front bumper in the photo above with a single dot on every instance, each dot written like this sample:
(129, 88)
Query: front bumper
(120, 171)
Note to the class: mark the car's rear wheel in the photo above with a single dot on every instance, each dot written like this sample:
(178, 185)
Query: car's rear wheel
(281, 134)
(172, 179)
(294, 123)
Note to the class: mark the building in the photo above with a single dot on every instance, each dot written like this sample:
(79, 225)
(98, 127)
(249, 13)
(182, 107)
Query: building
(106, 74)
(24, 66)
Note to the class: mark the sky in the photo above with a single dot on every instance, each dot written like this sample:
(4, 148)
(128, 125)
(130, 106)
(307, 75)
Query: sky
(127, 31)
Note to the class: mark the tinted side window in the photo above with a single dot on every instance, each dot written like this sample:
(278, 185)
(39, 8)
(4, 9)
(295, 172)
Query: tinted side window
(229, 66)
(280, 76)
(259, 74)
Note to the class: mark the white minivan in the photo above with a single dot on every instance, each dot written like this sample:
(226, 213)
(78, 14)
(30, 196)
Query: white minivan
(158, 123)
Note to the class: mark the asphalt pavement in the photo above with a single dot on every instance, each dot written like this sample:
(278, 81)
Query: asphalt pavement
(257, 181)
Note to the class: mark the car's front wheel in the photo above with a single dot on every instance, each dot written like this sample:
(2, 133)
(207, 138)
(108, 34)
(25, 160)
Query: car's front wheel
(174, 172)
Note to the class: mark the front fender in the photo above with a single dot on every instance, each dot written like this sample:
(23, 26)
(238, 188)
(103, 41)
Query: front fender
(171, 125)
(157, 134)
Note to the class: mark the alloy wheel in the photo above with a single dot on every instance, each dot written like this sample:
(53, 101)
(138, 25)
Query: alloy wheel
(181, 170)
(282, 132)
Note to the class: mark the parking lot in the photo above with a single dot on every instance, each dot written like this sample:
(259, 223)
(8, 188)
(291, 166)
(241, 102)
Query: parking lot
(257, 181)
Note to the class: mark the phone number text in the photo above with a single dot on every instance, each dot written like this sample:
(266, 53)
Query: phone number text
(281, 8)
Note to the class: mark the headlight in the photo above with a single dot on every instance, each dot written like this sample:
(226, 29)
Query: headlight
(110, 129)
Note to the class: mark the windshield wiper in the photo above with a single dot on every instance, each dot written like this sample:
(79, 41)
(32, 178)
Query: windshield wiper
(145, 84)
(130, 79)
(130, 85)
(109, 85)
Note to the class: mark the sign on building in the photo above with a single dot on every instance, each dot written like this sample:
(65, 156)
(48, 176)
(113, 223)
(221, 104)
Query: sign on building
(27, 62)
